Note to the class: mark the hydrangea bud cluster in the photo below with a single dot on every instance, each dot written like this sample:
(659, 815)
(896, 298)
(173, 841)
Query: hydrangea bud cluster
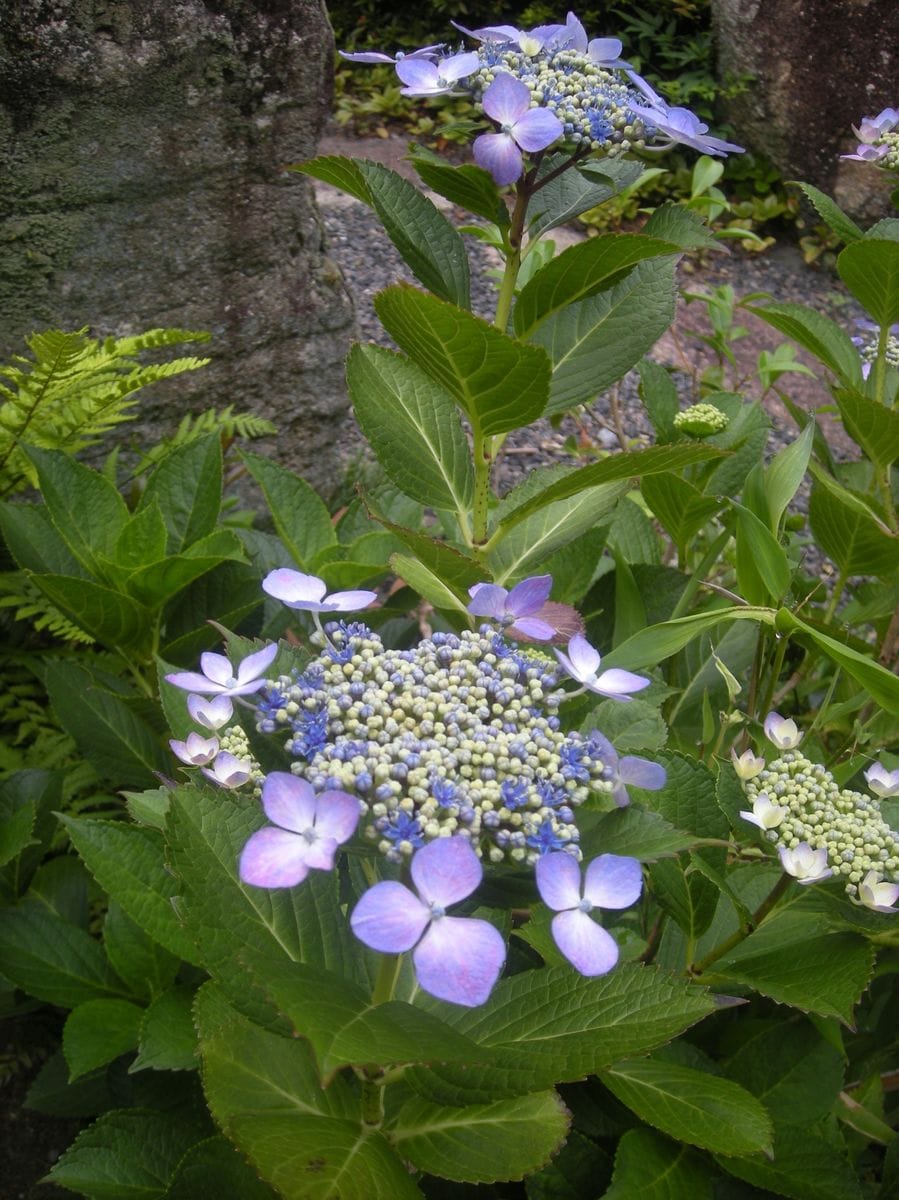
(701, 420)
(456, 736)
(848, 825)
(866, 340)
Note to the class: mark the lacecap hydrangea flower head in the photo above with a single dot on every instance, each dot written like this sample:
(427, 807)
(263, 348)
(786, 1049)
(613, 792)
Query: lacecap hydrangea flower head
(551, 87)
(878, 140)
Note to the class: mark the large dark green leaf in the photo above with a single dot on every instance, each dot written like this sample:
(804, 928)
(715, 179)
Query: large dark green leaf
(109, 616)
(301, 518)
(818, 334)
(870, 269)
(850, 533)
(98, 1031)
(187, 486)
(499, 383)
(468, 186)
(831, 213)
(791, 1068)
(809, 1163)
(577, 189)
(874, 426)
(652, 1168)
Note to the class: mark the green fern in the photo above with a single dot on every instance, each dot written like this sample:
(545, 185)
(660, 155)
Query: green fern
(27, 603)
(74, 389)
(225, 422)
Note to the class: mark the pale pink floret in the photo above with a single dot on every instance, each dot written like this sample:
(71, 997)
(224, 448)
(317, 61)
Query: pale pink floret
(582, 663)
(195, 750)
(212, 713)
(218, 678)
(308, 593)
(783, 732)
(228, 771)
(805, 864)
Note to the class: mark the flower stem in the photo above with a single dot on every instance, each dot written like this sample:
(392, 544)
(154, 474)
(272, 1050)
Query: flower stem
(741, 934)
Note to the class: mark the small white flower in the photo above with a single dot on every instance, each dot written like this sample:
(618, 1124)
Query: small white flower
(747, 765)
(883, 783)
(874, 892)
(782, 731)
(228, 771)
(805, 864)
(196, 750)
(582, 663)
(218, 678)
(211, 714)
(765, 814)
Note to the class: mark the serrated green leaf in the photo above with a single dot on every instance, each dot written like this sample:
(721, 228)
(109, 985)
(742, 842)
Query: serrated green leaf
(34, 542)
(691, 1106)
(300, 516)
(794, 1072)
(54, 960)
(634, 727)
(575, 191)
(18, 813)
(818, 334)
(850, 536)
(157, 582)
(125, 1155)
(107, 615)
(499, 383)
(485, 1143)
(636, 833)
(142, 539)
(653, 1168)
(580, 272)
(52, 1093)
(412, 426)
(675, 223)
(681, 508)
(426, 583)
(166, 1038)
(831, 213)
(660, 399)
(806, 1166)
(214, 1170)
(425, 239)
(128, 863)
(594, 342)
(870, 270)
(98, 1031)
(187, 486)
(874, 426)
(658, 642)
(468, 186)
(139, 960)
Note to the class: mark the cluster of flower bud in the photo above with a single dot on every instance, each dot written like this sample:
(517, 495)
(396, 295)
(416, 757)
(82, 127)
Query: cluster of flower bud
(796, 801)
(701, 420)
(878, 140)
(593, 103)
(867, 342)
(455, 736)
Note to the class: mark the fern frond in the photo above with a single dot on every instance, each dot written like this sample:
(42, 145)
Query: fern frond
(225, 422)
(27, 603)
(74, 389)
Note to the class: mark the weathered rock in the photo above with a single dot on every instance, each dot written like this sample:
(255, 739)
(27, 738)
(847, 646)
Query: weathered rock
(142, 145)
(816, 67)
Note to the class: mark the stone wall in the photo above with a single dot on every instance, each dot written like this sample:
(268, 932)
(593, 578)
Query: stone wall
(141, 184)
(816, 67)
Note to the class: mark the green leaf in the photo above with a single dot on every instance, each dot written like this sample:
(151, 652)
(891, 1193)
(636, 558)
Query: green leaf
(794, 1072)
(515, 551)
(425, 239)
(187, 486)
(850, 533)
(34, 542)
(128, 863)
(157, 582)
(653, 1168)
(882, 685)
(638, 464)
(675, 223)
(818, 334)
(86, 509)
(467, 186)
(874, 426)
(98, 1031)
(785, 473)
(412, 426)
(660, 399)
(691, 1106)
(206, 831)
(321, 1158)
(679, 505)
(344, 1027)
(18, 813)
(167, 1039)
(636, 833)
(806, 1166)
(795, 960)
(575, 191)
(145, 966)
(831, 213)
(634, 727)
(142, 539)
(107, 615)
(483, 1143)
(125, 1155)
(214, 1170)
(301, 518)
(426, 583)
(500, 384)
(113, 738)
(594, 342)
(658, 642)
(870, 270)
(54, 960)
(579, 273)
(763, 572)
(578, 1170)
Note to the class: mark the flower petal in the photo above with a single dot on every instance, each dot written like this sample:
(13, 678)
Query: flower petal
(507, 99)
(613, 881)
(458, 66)
(559, 880)
(459, 959)
(641, 773)
(288, 801)
(192, 682)
(294, 588)
(211, 714)
(537, 129)
(617, 683)
(487, 599)
(217, 668)
(350, 601)
(274, 858)
(253, 665)
(583, 657)
(336, 815)
(585, 944)
(389, 917)
(532, 627)
(529, 595)
(498, 154)
(320, 853)
(446, 871)
(418, 73)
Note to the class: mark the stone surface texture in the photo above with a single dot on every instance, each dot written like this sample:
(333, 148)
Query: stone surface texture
(142, 146)
(815, 68)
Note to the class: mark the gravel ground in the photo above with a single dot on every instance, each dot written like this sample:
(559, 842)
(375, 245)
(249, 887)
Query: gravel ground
(369, 263)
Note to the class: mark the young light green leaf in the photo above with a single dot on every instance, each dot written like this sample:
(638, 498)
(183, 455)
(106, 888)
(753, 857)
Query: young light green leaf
(187, 486)
(483, 1143)
(691, 1106)
(98, 1031)
(593, 343)
(786, 472)
(870, 269)
(301, 518)
(677, 224)
(426, 583)
(679, 505)
(653, 1168)
(831, 213)
(658, 642)
(412, 426)
(818, 334)
(763, 572)
(499, 383)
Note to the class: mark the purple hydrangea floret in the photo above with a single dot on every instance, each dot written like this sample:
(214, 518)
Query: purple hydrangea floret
(516, 610)
(308, 593)
(507, 101)
(629, 769)
(610, 881)
(582, 663)
(683, 127)
(425, 78)
(218, 678)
